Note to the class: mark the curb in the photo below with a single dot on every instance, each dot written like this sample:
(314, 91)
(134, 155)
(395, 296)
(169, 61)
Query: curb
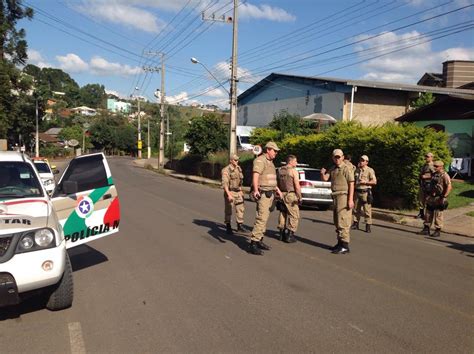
(396, 218)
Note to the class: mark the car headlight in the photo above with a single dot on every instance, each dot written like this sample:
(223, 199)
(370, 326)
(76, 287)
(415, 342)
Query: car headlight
(27, 242)
(36, 240)
(48, 182)
(44, 237)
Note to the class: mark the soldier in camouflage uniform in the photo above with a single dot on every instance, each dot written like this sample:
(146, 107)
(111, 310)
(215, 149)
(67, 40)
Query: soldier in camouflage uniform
(436, 201)
(425, 178)
(342, 186)
(364, 180)
(289, 185)
(264, 186)
(232, 179)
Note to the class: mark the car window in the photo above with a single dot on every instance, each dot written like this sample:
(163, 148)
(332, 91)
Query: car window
(18, 180)
(42, 167)
(89, 173)
(312, 175)
(245, 139)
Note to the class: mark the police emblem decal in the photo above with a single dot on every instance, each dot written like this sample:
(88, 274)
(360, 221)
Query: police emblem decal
(84, 207)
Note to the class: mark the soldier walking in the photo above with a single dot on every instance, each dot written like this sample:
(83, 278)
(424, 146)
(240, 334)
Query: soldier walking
(264, 186)
(342, 186)
(436, 201)
(425, 178)
(289, 185)
(232, 178)
(364, 180)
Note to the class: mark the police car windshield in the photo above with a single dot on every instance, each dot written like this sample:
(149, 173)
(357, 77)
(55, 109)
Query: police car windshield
(42, 167)
(18, 180)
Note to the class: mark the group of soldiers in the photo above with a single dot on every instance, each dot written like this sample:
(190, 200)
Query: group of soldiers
(351, 188)
(435, 186)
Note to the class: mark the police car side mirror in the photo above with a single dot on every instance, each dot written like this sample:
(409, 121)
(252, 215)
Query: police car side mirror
(70, 187)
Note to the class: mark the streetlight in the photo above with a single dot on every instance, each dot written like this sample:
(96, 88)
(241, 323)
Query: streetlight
(195, 61)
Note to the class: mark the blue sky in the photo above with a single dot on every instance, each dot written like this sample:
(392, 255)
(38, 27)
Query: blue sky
(107, 41)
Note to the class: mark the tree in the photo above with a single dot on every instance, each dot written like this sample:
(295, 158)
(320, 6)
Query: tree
(424, 100)
(12, 42)
(290, 124)
(92, 95)
(206, 134)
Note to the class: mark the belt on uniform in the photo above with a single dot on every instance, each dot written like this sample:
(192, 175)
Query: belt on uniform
(235, 189)
(287, 191)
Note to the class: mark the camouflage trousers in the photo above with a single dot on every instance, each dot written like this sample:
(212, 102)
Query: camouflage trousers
(238, 204)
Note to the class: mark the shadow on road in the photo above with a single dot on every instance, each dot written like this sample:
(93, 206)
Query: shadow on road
(84, 256)
(464, 248)
(217, 231)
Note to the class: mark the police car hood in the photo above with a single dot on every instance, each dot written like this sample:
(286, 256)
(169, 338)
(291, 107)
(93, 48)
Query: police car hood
(19, 215)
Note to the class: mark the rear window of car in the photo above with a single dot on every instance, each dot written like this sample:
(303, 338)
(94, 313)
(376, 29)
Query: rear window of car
(42, 167)
(312, 175)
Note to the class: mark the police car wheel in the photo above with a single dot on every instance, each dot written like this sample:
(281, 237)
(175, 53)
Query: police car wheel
(63, 292)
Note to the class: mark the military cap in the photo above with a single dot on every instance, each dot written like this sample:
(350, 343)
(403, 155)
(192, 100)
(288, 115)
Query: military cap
(337, 152)
(272, 145)
(438, 163)
(364, 157)
(235, 157)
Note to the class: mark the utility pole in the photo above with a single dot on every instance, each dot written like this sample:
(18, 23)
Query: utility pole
(161, 154)
(37, 129)
(139, 143)
(149, 69)
(233, 77)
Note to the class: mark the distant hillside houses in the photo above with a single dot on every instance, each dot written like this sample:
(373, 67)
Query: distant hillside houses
(85, 111)
(118, 106)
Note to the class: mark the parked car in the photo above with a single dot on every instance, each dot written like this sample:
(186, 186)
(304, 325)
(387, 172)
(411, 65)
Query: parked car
(36, 230)
(47, 174)
(315, 192)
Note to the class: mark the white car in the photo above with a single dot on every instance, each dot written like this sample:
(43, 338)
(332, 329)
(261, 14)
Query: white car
(46, 175)
(314, 191)
(36, 230)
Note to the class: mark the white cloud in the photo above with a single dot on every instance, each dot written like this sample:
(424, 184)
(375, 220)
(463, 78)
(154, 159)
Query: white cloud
(265, 12)
(121, 12)
(102, 67)
(35, 58)
(410, 64)
(72, 63)
(180, 97)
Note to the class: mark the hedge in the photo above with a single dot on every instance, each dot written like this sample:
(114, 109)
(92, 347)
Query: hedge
(396, 153)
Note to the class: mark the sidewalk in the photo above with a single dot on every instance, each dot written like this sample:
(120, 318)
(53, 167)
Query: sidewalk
(455, 220)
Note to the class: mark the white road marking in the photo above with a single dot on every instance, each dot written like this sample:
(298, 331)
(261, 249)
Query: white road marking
(356, 328)
(75, 337)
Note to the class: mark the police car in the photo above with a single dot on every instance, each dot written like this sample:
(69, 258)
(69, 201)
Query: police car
(314, 191)
(46, 174)
(36, 230)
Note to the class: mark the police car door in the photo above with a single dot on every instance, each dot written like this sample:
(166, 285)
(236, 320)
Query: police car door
(86, 200)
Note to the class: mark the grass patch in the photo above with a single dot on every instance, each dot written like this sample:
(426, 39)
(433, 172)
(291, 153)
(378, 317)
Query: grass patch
(461, 195)
(471, 213)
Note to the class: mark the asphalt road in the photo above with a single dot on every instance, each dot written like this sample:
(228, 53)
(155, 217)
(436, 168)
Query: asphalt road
(172, 281)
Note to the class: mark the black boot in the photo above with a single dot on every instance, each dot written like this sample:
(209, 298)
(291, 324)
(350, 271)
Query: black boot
(342, 249)
(425, 231)
(355, 225)
(228, 229)
(263, 245)
(367, 228)
(421, 214)
(337, 245)
(281, 234)
(290, 237)
(437, 233)
(254, 249)
(239, 227)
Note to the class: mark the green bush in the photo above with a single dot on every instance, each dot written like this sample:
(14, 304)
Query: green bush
(396, 153)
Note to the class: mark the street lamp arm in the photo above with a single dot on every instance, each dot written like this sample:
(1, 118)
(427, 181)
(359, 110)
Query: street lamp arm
(195, 61)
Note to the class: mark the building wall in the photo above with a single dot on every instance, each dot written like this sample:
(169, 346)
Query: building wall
(464, 128)
(301, 98)
(376, 106)
(458, 73)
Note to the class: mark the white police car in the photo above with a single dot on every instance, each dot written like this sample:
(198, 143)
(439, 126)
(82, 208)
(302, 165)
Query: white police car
(36, 229)
(46, 174)
(314, 191)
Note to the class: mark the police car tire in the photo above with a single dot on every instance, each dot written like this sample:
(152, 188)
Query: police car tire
(63, 292)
